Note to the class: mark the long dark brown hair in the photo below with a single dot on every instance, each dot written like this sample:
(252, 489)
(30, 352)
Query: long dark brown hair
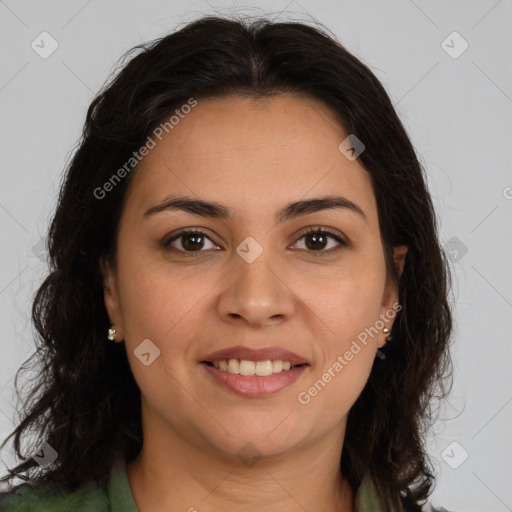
(85, 402)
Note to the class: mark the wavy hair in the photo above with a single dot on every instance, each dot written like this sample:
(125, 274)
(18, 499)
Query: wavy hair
(85, 402)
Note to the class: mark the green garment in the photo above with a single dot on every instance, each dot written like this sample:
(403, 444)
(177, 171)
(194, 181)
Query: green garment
(118, 498)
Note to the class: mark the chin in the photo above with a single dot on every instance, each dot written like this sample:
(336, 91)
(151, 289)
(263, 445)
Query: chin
(246, 441)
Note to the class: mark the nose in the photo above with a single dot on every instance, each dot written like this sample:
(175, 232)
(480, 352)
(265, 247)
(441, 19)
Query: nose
(258, 293)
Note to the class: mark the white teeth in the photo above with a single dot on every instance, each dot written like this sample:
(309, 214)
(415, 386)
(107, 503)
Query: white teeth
(251, 368)
(247, 367)
(233, 366)
(277, 366)
(264, 368)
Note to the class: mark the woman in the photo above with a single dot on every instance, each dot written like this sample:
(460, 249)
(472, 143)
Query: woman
(248, 224)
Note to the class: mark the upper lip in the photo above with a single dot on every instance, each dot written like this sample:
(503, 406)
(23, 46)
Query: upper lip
(255, 354)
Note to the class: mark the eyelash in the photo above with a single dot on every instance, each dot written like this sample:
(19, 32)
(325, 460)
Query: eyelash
(314, 230)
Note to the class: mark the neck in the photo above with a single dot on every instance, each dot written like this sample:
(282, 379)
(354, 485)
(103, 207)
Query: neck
(177, 475)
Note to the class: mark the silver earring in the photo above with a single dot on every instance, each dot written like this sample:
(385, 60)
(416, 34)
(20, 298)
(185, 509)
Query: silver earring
(385, 331)
(111, 333)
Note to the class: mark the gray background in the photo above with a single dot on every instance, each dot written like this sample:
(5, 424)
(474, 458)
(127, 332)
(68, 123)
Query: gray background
(457, 112)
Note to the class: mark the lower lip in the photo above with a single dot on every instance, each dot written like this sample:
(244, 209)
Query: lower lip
(254, 386)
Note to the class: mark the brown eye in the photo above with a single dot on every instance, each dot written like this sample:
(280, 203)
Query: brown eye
(189, 241)
(318, 239)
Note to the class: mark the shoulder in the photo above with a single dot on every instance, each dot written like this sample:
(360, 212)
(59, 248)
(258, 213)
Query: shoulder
(43, 498)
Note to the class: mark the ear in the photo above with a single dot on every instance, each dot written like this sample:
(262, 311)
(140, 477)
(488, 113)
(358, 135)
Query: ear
(111, 297)
(390, 298)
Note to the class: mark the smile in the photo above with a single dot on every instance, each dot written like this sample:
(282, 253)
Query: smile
(249, 368)
(255, 379)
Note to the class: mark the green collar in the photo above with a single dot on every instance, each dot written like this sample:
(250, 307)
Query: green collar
(119, 492)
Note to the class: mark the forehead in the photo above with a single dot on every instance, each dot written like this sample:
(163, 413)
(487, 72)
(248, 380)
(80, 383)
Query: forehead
(252, 155)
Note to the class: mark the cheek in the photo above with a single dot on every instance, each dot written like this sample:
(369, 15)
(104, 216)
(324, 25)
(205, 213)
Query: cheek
(332, 391)
(157, 303)
(159, 307)
(335, 385)
(346, 380)
(348, 306)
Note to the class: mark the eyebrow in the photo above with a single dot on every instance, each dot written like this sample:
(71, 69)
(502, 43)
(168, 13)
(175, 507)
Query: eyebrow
(291, 211)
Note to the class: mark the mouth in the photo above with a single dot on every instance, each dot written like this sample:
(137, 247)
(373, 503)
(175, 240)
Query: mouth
(253, 379)
(250, 368)
(254, 372)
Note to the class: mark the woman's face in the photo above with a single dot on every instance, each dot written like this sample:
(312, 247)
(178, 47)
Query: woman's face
(252, 278)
